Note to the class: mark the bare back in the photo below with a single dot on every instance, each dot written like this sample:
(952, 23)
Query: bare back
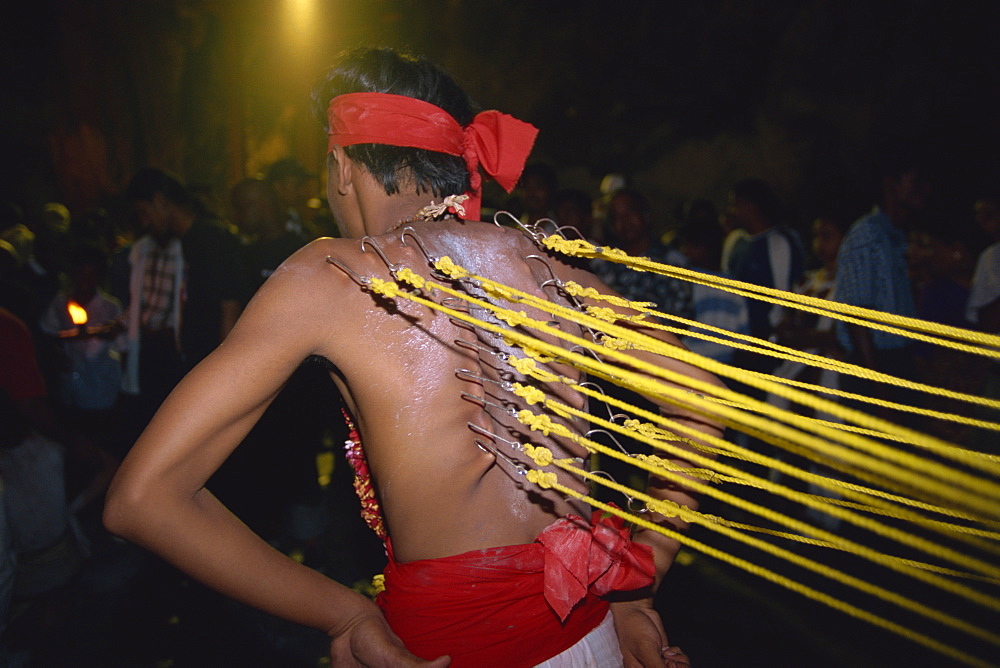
(425, 388)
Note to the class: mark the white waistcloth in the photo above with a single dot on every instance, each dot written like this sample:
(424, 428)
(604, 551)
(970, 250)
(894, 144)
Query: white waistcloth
(597, 649)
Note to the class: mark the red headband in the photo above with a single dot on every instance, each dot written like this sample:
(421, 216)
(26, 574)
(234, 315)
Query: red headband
(497, 142)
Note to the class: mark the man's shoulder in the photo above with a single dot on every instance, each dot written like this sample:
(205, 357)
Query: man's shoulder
(991, 254)
(872, 228)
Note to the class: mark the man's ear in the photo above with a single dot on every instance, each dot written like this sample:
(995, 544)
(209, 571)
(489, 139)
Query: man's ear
(341, 170)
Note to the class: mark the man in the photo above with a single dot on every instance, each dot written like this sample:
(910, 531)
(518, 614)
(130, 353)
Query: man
(983, 310)
(696, 246)
(465, 577)
(180, 286)
(872, 270)
(630, 228)
(769, 255)
(210, 287)
(257, 214)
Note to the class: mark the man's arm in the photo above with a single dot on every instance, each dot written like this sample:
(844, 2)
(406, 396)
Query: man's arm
(230, 314)
(158, 499)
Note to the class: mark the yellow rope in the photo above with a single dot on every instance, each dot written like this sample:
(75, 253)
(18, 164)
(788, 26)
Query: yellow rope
(942, 481)
(910, 477)
(541, 423)
(803, 302)
(883, 501)
(522, 318)
(704, 518)
(776, 350)
(659, 347)
(799, 588)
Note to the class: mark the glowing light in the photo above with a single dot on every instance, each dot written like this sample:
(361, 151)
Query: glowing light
(301, 14)
(77, 313)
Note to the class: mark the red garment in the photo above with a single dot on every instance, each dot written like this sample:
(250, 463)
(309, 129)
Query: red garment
(497, 142)
(516, 605)
(20, 377)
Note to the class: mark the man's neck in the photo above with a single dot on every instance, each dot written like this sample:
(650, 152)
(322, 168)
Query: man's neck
(898, 215)
(386, 213)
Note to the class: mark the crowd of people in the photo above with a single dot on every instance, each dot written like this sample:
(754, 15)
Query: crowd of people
(102, 318)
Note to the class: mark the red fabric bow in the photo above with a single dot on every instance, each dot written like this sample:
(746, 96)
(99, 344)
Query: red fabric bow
(598, 557)
(497, 142)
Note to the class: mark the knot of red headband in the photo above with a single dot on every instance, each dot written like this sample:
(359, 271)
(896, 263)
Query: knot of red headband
(497, 142)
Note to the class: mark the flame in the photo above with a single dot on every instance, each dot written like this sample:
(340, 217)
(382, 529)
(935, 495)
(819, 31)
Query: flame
(77, 313)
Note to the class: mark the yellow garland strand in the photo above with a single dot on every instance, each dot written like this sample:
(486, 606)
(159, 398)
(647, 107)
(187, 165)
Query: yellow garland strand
(803, 302)
(659, 347)
(797, 587)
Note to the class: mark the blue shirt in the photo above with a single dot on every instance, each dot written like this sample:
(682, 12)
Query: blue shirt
(872, 273)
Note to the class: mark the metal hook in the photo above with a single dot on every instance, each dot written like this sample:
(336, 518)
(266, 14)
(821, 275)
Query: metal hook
(531, 232)
(393, 268)
(605, 474)
(511, 411)
(456, 304)
(555, 280)
(598, 388)
(408, 231)
(471, 345)
(363, 281)
(466, 374)
(609, 435)
(545, 262)
(514, 445)
(559, 231)
(519, 468)
(586, 351)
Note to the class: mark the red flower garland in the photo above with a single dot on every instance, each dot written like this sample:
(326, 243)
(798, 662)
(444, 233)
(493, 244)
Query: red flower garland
(371, 513)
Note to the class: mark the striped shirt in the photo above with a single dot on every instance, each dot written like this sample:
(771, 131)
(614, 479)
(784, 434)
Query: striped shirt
(156, 307)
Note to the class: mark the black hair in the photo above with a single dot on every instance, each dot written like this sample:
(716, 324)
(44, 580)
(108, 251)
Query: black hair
(577, 198)
(250, 184)
(151, 180)
(83, 253)
(897, 158)
(700, 210)
(371, 70)
(543, 172)
(759, 193)
(637, 197)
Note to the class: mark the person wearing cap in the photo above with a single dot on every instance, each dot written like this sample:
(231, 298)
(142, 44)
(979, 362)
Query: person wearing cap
(484, 569)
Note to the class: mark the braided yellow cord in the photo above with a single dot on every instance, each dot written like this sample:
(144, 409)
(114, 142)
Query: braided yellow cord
(802, 302)
(672, 394)
(776, 350)
(797, 587)
(694, 516)
(548, 428)
(543, 423)
(966, 534)
(654, 389)
(931, 477)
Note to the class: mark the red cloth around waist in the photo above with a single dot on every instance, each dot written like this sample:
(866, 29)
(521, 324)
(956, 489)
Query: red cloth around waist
(516, 605)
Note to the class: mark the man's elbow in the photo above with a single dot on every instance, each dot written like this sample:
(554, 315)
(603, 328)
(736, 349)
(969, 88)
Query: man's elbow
(123, 510)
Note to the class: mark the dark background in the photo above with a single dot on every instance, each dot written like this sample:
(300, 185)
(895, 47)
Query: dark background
(683, 97)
